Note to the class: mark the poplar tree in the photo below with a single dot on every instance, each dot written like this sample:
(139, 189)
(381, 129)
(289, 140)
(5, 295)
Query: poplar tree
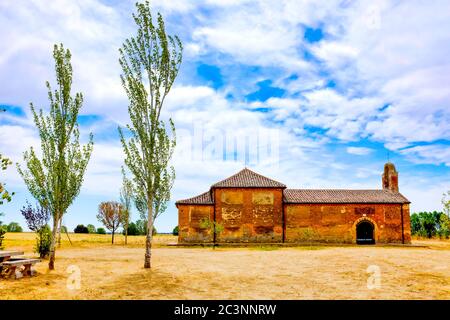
(55, 178)
(150, 62)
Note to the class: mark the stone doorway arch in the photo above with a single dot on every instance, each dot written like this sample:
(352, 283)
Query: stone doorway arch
(365, 232)
(371, 233)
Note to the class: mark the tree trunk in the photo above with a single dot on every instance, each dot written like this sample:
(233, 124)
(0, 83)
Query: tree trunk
(126, 233)
(112, 239)
(51, 263)
(148, 239)
(59, 233)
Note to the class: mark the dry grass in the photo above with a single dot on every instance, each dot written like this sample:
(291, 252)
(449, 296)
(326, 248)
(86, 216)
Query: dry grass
(115, 272)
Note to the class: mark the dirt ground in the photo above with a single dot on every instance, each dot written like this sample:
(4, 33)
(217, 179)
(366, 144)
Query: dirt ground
(317, 272)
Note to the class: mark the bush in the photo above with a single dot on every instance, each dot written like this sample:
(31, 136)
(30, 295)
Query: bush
(101, 231)
(44, 241)
(81, 229)
(14, 227)
(2, 235)
(175, 231)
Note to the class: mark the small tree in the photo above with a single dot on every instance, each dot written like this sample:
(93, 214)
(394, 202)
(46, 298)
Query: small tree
(126, 196)
(81, 228)
(101, 231)
(37, 219)
(110, 215)
(91, 228)
(175, 231)
(213, 227)
(14, 227)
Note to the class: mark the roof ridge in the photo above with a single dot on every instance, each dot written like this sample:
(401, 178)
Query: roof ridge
(248, 178)
(203, 198)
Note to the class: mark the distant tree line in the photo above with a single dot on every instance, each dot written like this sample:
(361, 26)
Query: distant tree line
(430, 224)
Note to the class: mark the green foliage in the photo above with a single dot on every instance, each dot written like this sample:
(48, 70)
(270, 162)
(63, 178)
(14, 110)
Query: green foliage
(81, 228)
(175, 231)
(213, 226)
(139, 228)
(132, 229)
(55, 179)
(44, 241)
(101, 231)
(91, 228)
(4, 194)
(444, 226)
(155, 56)
(429, 224)
(14, 227)
(63, 229)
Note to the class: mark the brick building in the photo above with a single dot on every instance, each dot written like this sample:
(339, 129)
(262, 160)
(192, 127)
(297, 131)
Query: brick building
(248, 207)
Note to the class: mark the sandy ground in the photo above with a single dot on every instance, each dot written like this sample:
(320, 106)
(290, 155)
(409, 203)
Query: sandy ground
(115, 271)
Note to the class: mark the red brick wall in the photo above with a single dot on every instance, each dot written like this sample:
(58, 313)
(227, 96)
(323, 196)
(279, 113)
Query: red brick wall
(190, 228)
(337, 223)
(249, 214)
(256, 215)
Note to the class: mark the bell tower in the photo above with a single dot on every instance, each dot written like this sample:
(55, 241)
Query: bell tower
(390, 177)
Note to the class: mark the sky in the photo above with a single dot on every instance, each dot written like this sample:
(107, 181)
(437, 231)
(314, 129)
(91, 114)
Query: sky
(315, 94)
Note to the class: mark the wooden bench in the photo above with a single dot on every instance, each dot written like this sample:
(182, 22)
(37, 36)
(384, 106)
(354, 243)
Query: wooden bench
(18, 267)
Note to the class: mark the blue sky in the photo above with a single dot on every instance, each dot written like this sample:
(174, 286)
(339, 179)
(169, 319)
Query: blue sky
(314, 94)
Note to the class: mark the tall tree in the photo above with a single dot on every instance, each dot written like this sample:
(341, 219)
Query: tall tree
(150, 62)
(56, 179)
(126, 196)
(110, 214)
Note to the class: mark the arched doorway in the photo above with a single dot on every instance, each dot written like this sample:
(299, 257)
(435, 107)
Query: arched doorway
(365, 232)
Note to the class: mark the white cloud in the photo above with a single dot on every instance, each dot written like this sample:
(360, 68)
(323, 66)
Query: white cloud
(429, 154)
(359, 151)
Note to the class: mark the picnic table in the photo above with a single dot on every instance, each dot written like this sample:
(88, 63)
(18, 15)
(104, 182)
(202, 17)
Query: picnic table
(16, 267)
(6, 255)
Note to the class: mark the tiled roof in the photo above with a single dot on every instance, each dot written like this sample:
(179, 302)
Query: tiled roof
(204, 198)
(246, 178)
(342, 196)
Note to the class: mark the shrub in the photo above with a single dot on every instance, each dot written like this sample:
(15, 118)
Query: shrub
(101, 231)
(2, 235)
(44, 241)
(14, 227)
(175, 231)
(37, 219)
(81, 229)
